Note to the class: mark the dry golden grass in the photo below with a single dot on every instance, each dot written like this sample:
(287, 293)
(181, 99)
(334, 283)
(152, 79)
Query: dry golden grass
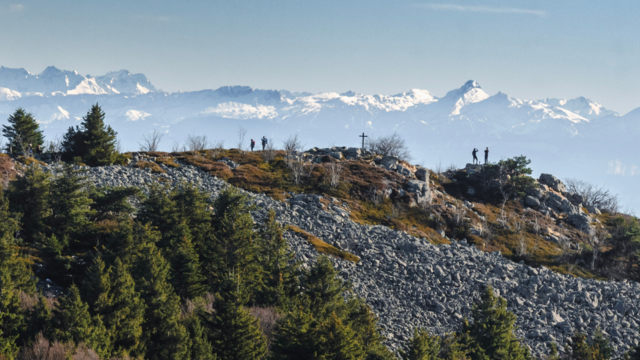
(168, 161)
(323, 247)
(155, 168)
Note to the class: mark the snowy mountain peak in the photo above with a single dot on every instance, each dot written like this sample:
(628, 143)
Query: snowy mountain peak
(469, 93)
(582, 106)
(471, 84)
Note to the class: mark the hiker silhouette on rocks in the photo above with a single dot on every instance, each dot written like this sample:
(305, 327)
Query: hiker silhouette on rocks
(253, 144)
(486, 156)
(475, 158)
(264, 142)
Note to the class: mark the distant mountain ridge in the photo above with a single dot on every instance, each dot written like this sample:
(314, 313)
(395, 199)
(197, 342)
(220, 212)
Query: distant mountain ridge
(55, 81)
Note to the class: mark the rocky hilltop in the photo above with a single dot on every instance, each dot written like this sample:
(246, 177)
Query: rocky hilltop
(408, 280)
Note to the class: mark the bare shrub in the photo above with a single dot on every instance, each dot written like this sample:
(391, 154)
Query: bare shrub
(297, 170)
(150, 142)
(119, 148)
(376, 196)
(452, 168)
(216, 149)
(196, 144)
(292, 144)
(487, 232)
(84, 353)
(396, 210)
(596, 196)
(521, 249)
(27, 302)
(242, 133)
(267, 319)
(335, 173)
(457, 219)
(269, 152)
(391, 145)
(177, 147)
(205, 303)
(42, 349)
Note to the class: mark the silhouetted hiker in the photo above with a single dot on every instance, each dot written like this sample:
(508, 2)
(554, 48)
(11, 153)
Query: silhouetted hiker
(486, 156)
(264, 142)
(253, 144)
(30, 150)
(475, 158)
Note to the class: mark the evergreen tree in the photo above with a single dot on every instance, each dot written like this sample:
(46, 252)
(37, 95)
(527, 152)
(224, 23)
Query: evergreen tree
(22, 130)
(69, 202)
(110, 202)
(599, 348)
(12, 321)
(337, 341)
(165, 336)
(160, 211)
(280, 280)
(323, 289)
(295, 336)
(193, 207)
(30, 196)
(199, 346)
(72, 322)
(421, 346)
(236, 334)
(490, 336)
(96, 285)
(38, 320)
(93, 141)
(186, 273)
(365, 324)
(122, 311)
(127, 240)
(233, 248)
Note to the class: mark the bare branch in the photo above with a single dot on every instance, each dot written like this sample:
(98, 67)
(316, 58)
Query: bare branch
(151, 141)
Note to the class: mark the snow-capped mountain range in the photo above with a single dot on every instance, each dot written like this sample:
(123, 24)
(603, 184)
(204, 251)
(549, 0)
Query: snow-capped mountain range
(571, 137)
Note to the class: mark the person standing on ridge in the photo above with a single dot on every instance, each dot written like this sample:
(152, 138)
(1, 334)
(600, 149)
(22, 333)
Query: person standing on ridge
(475, 158)
(264, 142)
(253, 144)
(486, 156)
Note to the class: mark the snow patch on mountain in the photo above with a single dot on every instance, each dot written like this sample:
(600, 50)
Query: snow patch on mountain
(233, 110)
(135, 115)
(8, 94)
(87, 86)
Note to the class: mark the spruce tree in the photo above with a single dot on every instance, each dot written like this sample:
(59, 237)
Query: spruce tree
(29, 195)
(337, 341)
(193, 207)
(72, 322)
(422, 346)
(39, 320)
(160, 211)
(491, 333)
(295, 336)
(598, 348)
(122, 311)
(323, 289)
(93, 141)
(12, 321)
(164, 334)
(186, 274)
(233, 247)
(96, 285)
(22, 130)
(280, 280)
(199, 346)
(69, 202)
(236, 333)
(365, 324)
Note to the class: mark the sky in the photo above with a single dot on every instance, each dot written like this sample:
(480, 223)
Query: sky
(525, 48)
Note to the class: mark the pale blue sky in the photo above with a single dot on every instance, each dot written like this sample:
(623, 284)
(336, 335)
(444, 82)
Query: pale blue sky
(525, 48)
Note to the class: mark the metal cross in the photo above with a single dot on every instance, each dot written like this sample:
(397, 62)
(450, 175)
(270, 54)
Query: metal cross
(362, 136)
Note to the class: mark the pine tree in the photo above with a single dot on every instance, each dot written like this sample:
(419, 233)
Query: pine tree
(280, 280)
(186, 273)
(421, 346)
(193, 207)
(126, 241)
(93, 141)
(236, 333)
(599, 348)
(163, 332)
(233, 248)
(69, 203)
(22, 130)
(110, 202)
(96, 285)
(30, 196)
(491, 333)
(365, 324)
(159, 210)
(122, 311)
(72, 322)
